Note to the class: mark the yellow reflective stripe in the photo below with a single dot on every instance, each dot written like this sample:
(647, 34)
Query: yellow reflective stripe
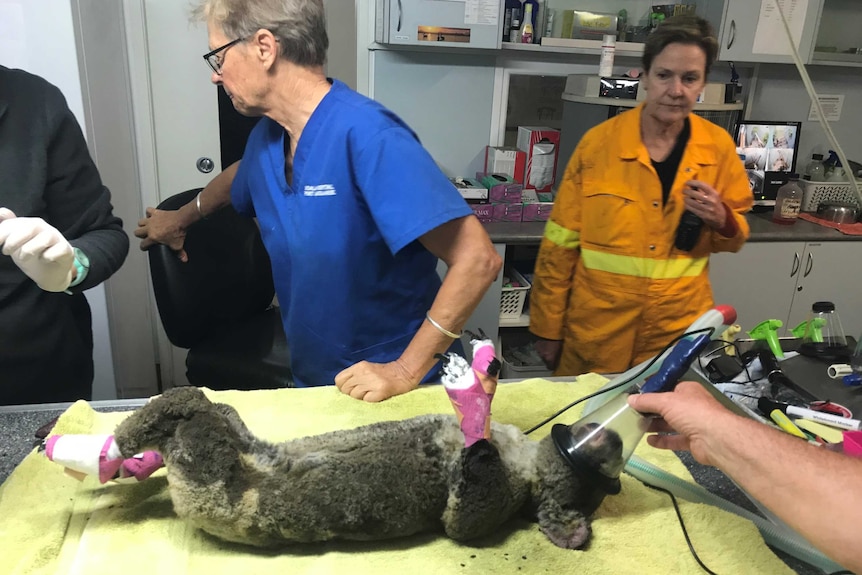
(643, 267)
(561, 236)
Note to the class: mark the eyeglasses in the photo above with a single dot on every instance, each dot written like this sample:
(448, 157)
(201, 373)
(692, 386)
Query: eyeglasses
(213, 58)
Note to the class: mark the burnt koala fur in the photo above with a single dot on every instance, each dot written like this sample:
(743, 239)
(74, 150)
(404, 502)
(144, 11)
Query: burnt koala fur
(379, 481)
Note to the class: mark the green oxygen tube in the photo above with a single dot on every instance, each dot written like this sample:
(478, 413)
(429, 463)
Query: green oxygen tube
(768, 332)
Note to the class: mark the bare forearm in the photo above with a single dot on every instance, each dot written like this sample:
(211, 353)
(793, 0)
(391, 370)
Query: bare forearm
(473, 266)
(458, 297)
(213, 197)
(814, 490)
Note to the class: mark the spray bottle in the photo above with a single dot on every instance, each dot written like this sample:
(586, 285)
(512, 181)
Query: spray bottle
(768, 331)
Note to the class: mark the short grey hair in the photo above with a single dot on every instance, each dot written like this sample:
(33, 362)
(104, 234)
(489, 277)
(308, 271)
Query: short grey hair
(299, 25)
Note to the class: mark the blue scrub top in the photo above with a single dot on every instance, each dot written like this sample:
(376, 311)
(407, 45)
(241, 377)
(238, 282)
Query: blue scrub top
(352, 280)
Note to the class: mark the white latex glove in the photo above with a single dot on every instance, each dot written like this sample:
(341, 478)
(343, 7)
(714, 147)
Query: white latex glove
(39, 249)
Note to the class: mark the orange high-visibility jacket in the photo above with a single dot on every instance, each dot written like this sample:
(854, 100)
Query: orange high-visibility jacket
(608, 280)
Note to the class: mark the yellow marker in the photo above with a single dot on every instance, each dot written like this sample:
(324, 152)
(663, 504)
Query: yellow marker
(824, 432)
(784, 423)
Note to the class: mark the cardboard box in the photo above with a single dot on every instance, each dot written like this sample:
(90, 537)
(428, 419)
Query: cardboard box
(583, 85)
(593, 25)
(507, 212)
(542, 145)
(470, 189)
(536, 209)
(484, 211)
(506, 160)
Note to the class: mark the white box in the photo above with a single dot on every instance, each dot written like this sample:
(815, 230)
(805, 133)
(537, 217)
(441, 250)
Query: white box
(583, 85)
(506, 160)
(470, 189)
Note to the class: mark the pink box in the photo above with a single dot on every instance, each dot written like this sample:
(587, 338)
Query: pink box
(542, 145)
(507, 212)
(506, 160)
(506, 193)
(536, 212)
(853, 443)
(484, 212)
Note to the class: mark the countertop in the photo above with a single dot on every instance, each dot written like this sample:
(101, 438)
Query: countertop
(18, 425)
(762, 230)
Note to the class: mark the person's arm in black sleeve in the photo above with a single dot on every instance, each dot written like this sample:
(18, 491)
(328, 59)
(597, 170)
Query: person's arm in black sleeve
(78, 204)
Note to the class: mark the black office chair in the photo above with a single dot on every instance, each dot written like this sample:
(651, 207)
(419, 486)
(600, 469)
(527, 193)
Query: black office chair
(218, 305)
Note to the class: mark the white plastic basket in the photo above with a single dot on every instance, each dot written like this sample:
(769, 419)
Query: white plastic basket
(815, 193)
(512, 298)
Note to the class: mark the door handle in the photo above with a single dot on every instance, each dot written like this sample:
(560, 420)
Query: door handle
(731, 35)
(400, 13)
(809, 265)
(795, 264)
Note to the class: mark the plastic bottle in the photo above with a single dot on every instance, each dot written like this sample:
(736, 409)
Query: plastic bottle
(837, 174)
(606, 64)
(528, 25)
(856, 358)
(549, 23)
(815, 171)
(788, 201)
(511, 18)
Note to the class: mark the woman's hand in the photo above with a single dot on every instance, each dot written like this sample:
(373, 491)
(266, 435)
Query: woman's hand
(702, 200)
(549, 350)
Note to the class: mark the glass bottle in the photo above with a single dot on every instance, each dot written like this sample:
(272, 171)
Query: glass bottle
(527, 24)
(788, 201)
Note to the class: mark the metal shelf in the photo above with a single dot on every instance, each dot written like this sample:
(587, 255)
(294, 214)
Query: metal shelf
(623, 103)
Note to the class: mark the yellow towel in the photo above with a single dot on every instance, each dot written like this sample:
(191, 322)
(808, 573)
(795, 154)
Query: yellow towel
(51, 523)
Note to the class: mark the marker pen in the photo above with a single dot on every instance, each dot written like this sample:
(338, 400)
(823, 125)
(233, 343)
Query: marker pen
(784, 423)
(826, 418)
(767, 406)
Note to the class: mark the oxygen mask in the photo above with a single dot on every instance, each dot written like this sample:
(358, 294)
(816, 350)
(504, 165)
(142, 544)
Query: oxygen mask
(599, 445)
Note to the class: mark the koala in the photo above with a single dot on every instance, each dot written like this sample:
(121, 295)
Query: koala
(379, 481)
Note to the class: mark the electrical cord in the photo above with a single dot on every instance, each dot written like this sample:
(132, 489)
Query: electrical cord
(682, 526)
(622, 383)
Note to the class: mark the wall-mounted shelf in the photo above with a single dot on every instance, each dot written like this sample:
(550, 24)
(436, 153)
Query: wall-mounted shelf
(576, 46)
(622, 103)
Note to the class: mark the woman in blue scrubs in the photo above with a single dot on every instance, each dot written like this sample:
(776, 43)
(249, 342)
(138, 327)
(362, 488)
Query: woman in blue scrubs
(352, 209)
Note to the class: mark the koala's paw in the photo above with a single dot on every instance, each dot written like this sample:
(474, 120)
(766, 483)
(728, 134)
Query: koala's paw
(569, 536)
(565, 527)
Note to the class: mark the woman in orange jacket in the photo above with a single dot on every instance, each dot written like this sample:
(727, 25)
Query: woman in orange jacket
(617, 275)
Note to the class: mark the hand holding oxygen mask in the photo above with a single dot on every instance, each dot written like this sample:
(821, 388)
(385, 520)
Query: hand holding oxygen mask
(617, 423)
(39, 249)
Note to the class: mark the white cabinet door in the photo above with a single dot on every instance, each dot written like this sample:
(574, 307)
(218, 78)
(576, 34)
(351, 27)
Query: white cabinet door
(759, 281)
(830, 271)
(740, 26)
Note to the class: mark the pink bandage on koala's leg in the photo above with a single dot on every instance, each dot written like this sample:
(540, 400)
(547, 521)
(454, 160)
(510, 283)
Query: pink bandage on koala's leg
(99, 455)
(141, 466)
(471, 390)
